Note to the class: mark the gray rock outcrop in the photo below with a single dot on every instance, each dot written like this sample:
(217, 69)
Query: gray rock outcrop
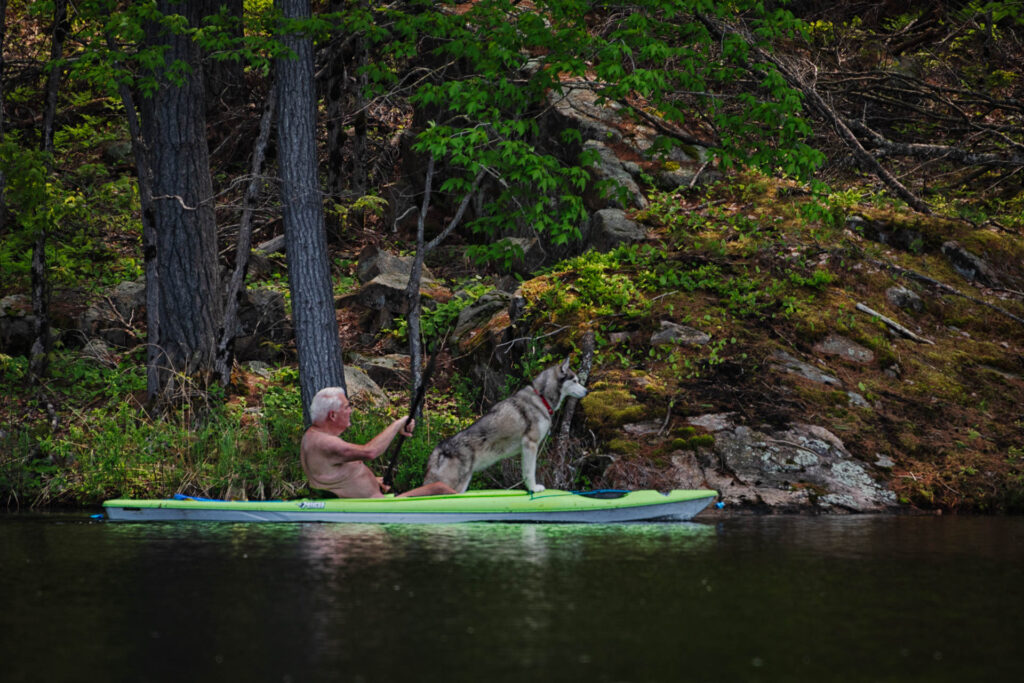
(803, 467)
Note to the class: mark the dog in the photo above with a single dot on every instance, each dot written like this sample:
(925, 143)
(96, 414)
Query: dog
(517, 424)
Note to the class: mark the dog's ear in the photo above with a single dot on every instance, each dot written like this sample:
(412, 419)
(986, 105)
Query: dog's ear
(565, 366)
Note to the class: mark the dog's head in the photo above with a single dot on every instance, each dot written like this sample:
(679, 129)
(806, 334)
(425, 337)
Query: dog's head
(569, 383)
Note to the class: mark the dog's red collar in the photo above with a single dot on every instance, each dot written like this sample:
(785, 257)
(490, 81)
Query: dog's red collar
(544, 401)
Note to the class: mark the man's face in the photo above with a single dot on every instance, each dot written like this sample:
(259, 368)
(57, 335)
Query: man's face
(343, 415)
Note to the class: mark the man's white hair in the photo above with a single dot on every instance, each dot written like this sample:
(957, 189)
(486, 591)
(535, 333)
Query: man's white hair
(326, 400)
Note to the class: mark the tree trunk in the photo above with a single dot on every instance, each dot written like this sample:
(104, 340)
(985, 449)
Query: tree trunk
(226, 347)
(309, 268)
(344, 85)
(39, 356)
(189, 302)
(60, 31)
(3, 178)
(144, 174)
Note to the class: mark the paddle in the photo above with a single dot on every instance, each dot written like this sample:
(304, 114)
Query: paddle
(417, 401)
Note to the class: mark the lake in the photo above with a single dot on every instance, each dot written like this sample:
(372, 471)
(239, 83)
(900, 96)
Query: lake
(727, 598)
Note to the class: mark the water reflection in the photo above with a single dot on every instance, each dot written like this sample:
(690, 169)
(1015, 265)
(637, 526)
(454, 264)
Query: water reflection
(746, 598)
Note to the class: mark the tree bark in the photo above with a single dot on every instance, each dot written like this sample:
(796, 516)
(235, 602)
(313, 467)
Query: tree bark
(190, 307)
(309, 268)
(59, 33)
(225, 349)
(144, 174)
(3, 177)
(39, 355)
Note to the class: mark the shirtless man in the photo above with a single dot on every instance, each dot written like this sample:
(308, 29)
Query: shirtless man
(336, 465)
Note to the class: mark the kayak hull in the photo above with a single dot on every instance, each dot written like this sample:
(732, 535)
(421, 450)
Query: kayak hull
(474, 506)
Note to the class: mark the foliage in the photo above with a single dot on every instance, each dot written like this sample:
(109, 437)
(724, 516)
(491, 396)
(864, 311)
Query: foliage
(439, 319)
(495, 66)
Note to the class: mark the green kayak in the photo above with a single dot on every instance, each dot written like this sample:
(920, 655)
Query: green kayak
(607, 506)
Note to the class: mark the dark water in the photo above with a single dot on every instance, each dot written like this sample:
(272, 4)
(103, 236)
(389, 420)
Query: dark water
(735, 599)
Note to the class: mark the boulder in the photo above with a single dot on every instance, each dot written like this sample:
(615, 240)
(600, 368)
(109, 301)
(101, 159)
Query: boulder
(972, 267)
(487, 320)
(263, 326)
(838, 345)
(787, 363)
(362, 391)
(390, 370)
(17, 325)
(610, 168)
(374, 261)
(578, 108)
(901, 297)
(674, 333)
(803, 467)
(611, 227)
(116, 317)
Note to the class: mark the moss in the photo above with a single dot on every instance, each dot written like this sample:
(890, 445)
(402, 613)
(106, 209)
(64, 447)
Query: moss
(623, 446)
(693, 443)
(612, 407)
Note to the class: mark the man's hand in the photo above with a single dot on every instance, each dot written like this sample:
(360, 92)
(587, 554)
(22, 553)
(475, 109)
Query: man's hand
(408, 427)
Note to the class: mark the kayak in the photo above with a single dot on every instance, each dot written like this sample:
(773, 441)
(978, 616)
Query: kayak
(603, 506)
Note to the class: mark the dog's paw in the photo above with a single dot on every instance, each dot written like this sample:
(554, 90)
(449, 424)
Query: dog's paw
(537, 488)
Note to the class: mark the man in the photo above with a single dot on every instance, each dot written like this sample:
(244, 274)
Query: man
(336, 465)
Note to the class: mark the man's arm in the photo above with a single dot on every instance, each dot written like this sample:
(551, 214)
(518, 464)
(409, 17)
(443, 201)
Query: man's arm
(337, 448)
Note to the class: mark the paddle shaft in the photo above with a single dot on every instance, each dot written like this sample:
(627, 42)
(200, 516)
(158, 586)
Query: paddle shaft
(417, 401)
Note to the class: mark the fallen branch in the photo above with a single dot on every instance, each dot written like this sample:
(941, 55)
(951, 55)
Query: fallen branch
(942, 286)
(893, 324)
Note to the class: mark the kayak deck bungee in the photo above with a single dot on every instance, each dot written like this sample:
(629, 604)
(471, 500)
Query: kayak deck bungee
(551, 505)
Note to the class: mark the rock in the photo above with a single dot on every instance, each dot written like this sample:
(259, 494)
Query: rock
(888, 233)
(970, 266)
(884, 461)
(610, 228)
(263, 326)
(791, 365)
(97, 350)
(533, 256)
(258, 367)
(114, 317)
(385, 294)
(802, 467)
(836, 345)
(362, 391)
(485, 320)
(642, 428)
(609, 167)
(391, 370)
(17, 325)
(374, 261)
(578, 108)
(673, 333)
(857, 400)
(118, 153)
(901, 297)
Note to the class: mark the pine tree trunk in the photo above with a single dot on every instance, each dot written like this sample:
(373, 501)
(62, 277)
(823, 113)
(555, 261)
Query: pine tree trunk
(174, 129)
(60, 31)
(309, 268)
(3, 178)
(236, 286)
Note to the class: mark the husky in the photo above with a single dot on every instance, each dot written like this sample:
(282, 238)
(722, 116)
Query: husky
(516, 425)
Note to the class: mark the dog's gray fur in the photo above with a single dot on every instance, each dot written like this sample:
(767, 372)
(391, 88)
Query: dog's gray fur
(516, 425)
